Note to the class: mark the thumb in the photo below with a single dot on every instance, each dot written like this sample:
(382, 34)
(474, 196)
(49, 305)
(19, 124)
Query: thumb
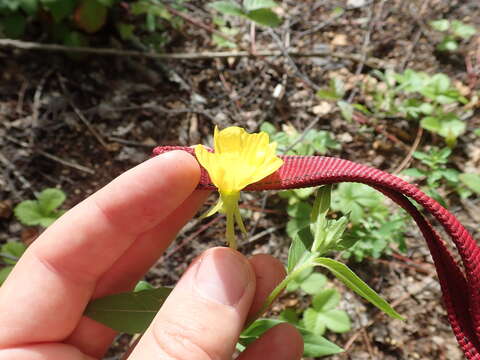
(205, 313)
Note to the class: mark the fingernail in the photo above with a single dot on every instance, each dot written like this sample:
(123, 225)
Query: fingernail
(222, 276)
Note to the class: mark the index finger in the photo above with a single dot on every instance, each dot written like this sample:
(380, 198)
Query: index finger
(53, 281)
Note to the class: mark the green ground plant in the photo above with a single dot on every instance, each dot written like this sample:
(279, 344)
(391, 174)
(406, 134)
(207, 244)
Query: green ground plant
(322, 314)
(40, 212)
(74, 22)
(453, 32)
(374, 227)
(430, 99)
(43, 211)
(9, 255)
(436, 173)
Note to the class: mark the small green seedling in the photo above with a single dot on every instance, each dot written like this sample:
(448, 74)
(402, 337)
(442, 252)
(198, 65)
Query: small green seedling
(430, 99)
(373, 226)
(437, 174)
(43, 211)
(454, 32)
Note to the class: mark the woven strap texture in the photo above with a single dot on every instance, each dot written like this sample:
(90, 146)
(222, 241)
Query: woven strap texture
(460, 283)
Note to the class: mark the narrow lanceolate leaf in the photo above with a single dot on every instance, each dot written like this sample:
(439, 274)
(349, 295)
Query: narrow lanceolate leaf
(348, 277)
(130, 312)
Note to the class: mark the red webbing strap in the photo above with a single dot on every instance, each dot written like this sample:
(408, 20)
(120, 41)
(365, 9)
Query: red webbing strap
(461, 289)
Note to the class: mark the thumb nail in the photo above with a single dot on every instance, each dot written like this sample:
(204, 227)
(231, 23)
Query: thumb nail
(223, 276)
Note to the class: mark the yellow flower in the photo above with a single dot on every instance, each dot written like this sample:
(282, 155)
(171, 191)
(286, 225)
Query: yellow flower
(240, 159)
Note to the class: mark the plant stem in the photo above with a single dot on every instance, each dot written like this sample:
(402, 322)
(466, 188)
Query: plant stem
(279, 288)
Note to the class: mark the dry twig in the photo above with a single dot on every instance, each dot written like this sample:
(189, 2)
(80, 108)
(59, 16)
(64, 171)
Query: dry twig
(409, 156)
(25, 45)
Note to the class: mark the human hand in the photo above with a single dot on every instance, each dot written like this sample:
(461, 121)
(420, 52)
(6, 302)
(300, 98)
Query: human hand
(104, 245)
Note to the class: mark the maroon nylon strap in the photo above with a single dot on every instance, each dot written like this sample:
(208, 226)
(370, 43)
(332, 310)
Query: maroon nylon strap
(461, 288)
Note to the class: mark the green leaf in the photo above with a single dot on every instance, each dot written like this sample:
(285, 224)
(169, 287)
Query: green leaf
(295, 282)
(327, 94)
(251, 5)
(314, 345)
(313, 322)
(4, 272)
(413, 172)
(91, 15)
(304, 193)
(356, 199)
(318, 346)
(29, 6)
(28, 212)
(322, 202)
(297, 253)
(447, 44)
(60, 9)
(335, 320)
(50, 199)
(440, 25)
(463, 30)
(450, 174)
(14, 25)
(448, 126)
(350, 279)
(258, 327)
(130, 312)
(300, 217)
(269, 128)
(228, 8)
(126, 31)
(471, 180)
(143, 285)
(335, 90)
(289, 315)
(314, 283)
(222, 42)
(264, 17)
(346, 110)
(326, 300)
(12, 248)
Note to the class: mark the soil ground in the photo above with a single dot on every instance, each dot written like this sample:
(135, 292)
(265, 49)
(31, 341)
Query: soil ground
(76, 125)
